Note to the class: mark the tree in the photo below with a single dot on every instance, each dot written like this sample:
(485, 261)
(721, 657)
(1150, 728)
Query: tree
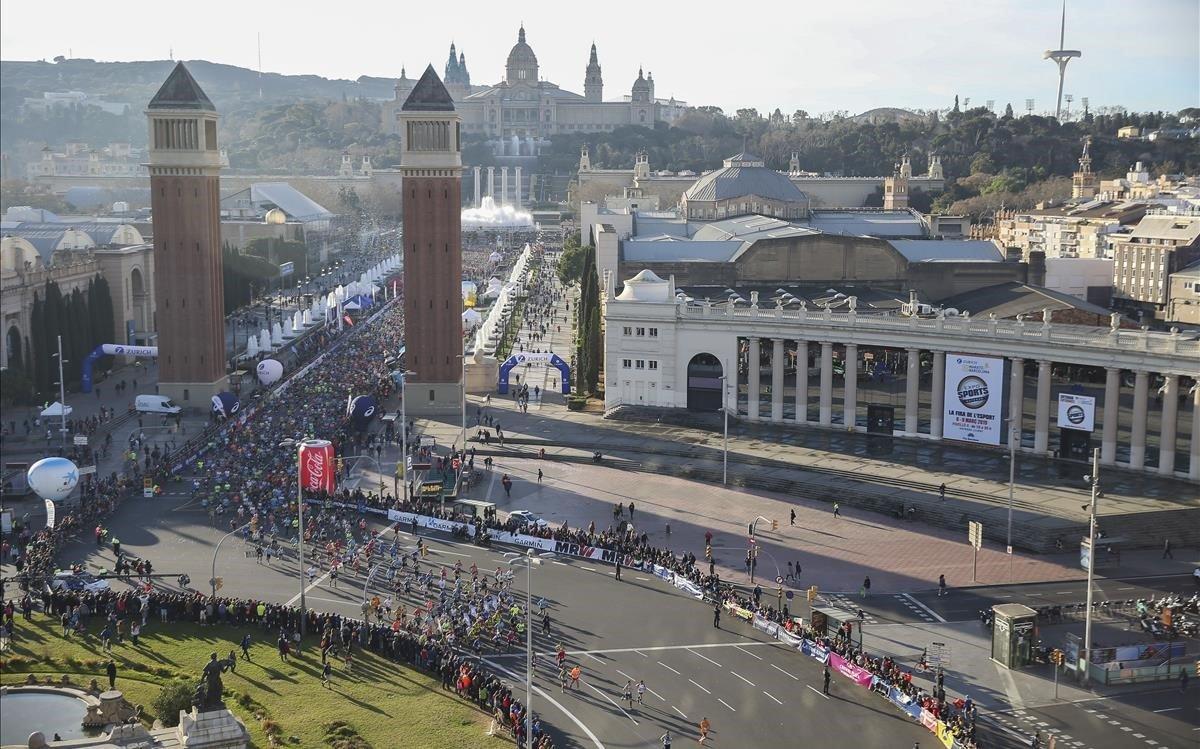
(956, 109)
(1008, 111)
(570, 263)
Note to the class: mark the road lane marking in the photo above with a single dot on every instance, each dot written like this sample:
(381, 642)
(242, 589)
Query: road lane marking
(726, 704)
(681, 713)
(743, 678)
(810, 686)
(655, 648)
(925, 608)
(702, 688)
(627, 676)
(780, 670)
(747, 652)
(642, 578)
(605, 696)
(560, 564)
(771, 696)
(710, 660)
(589, 569)
(1168, 709)
(669, 668)
(546, 696)
(597, 660)
(641, 654)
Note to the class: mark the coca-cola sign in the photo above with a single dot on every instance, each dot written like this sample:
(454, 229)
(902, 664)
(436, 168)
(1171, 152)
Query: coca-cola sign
(317, 470)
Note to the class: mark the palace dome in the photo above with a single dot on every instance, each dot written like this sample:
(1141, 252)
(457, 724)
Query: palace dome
(522, 63)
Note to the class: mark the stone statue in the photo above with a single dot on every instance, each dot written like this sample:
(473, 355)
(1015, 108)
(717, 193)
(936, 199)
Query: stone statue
(212, 685)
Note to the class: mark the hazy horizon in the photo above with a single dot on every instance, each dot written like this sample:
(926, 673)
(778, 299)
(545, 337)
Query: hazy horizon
(853, 57)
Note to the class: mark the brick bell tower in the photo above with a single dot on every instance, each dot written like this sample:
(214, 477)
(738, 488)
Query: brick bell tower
(431, 169)
(185, 200)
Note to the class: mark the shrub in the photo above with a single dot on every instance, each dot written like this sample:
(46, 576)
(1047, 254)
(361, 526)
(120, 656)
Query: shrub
(576, 402)
(173, 697)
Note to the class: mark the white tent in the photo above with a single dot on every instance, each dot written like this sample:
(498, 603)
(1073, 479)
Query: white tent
(57, 410)
(351, 306)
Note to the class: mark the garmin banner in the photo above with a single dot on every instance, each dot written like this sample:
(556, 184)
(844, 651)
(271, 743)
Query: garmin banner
(974, 395)
(1077, 412)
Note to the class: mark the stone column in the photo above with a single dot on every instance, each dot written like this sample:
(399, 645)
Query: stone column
(912, 392)
(801, 382)
(503, 185)
(517, 189)
(1016, 402)
(826, 415)
(1194, 466)
(777, 379)
(1137, 445)
(491, 181)
(1112, 416)
(1166, 430)
(755, 385)
(937, 404)
(477, 186)
(850, 393)
(1041, 423)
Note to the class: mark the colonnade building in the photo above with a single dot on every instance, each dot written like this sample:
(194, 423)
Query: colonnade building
(1048, 387)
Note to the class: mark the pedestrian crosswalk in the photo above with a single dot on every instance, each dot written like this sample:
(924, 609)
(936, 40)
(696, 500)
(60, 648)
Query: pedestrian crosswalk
(913, 607)
(843, 601)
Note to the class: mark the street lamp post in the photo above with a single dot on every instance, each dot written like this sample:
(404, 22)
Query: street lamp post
(212, 581)
(725, 438)
(300, 520)
(404, 430)
(62, 399)
(1013, 436)
(1094, 480)
(530, 561)
(463, 357)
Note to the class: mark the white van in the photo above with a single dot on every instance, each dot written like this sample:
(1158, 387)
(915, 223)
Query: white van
(155, 404)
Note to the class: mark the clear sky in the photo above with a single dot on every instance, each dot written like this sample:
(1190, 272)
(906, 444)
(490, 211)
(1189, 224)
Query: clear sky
(793, 54)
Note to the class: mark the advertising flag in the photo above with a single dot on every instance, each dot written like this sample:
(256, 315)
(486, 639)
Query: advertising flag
(317, 470)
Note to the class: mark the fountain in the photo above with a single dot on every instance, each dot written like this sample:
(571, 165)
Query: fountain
(264, 340)
(491, 216)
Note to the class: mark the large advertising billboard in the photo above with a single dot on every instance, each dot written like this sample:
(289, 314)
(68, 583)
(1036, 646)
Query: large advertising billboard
(974, 396)
(1077, 412)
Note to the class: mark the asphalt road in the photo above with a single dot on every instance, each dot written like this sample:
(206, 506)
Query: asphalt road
(754, 691)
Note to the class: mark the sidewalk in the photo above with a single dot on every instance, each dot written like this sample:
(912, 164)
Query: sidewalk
(676, 480)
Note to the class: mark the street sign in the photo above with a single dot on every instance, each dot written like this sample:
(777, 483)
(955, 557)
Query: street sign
(789, 595)
(81, 440)
(286, 269)
(148, 487)
(87, 470)
(428, 441)
(975, 535)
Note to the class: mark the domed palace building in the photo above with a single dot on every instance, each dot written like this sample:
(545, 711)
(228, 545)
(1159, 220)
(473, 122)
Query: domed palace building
(526, 106)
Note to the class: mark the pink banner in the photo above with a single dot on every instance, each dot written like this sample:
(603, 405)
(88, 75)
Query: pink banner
(860, 676)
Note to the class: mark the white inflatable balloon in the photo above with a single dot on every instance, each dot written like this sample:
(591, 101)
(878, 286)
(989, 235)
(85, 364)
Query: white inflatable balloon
(53, 478)
(269, 371)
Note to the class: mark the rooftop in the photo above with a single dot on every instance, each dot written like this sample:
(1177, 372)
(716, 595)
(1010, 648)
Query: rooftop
(948, 250)
(897, 224)
(180, 91)
(429, 95)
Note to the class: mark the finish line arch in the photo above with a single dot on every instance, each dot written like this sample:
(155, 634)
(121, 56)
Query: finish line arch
(111, 349)
(524, 358)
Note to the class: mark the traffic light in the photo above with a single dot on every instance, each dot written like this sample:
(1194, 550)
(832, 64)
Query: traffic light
(1057, 657)
(812, 594)
(750, 529)
(774, 525)
(218, 582)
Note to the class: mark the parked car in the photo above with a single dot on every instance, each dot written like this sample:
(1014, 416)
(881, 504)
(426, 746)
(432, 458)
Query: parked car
(78, 582)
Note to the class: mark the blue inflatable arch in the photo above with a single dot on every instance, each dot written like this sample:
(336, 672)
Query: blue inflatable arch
(518, 359)
(111, 349)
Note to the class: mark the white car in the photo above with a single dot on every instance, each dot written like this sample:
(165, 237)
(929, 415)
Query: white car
(78, 582)
(527, 518)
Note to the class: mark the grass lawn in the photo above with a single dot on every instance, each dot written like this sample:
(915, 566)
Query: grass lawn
(383, 704)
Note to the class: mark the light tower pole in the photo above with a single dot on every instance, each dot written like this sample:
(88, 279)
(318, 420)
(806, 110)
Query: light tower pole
(1061, 57)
